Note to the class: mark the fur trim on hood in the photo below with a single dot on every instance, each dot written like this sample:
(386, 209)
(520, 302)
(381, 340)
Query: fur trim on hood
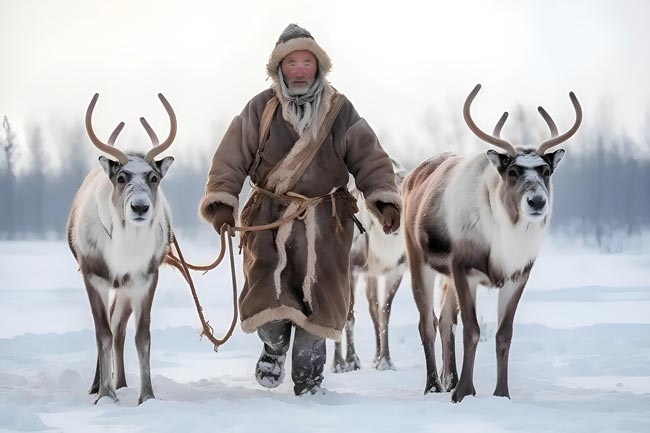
(295, 38)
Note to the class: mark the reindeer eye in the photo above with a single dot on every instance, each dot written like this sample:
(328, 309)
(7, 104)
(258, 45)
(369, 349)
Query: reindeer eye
(546, 172)
(513, 172)
(121, 178)
(153, 178)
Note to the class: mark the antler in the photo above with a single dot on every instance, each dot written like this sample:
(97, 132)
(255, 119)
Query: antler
(555, 139)
(152, 134)
(106, 148)
(549, 121)
(482, 135)
(499, 125)
(159, 148)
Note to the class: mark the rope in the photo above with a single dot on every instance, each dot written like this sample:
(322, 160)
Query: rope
(180, 264)
(178, 261)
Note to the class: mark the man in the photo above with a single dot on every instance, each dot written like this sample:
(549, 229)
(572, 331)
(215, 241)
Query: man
(297, 141)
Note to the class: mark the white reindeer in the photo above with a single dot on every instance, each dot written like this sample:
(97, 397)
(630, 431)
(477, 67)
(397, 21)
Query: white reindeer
(119, 231)
(475, 221)
(380, 260)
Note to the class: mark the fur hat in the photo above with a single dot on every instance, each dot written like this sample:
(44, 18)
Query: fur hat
(295, 38)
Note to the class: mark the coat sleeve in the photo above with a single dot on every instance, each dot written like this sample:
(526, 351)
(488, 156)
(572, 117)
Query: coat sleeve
(230, 164)
(371, 167)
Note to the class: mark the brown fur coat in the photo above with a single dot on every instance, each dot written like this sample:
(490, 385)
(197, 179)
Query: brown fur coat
(299, 271)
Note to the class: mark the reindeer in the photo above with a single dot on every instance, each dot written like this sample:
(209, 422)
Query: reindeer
(473, 221)
(381, 261)
(119, 231)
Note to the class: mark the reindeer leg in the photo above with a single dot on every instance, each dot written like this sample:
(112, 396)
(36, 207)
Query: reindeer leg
(448, 319)
(423, 295)
(98, 297)
(340, 365)
(392, 281)
(120, 313)
(142, 312)
(94, 388)
(373, 308)
(351, 358)
(471, 331)
(509, 296)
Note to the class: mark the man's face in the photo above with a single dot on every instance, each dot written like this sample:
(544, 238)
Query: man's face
(299, 69)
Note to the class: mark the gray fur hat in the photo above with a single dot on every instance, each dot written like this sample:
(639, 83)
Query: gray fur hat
(295, 38)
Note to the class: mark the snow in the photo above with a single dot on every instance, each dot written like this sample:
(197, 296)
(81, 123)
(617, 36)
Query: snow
(579, 361)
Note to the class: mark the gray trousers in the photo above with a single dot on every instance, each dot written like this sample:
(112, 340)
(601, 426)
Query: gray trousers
(308, 354)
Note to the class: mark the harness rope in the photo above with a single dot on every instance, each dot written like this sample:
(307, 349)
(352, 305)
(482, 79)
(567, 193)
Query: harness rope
(178, 261)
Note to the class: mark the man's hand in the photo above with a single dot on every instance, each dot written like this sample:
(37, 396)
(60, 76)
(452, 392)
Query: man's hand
(389, 217)
(222, 214)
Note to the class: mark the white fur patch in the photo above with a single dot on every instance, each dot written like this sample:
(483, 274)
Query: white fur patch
(505, 295)
(429, 281)
(439, 293)
(529, 160)
(471, 217)
(218, 197)
(99, 230)
(310, 276)
(280, 244)
(512, 247)
(103, 288)
(384, 251)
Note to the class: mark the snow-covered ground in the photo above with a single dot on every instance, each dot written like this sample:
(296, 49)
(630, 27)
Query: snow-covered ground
(580, 357)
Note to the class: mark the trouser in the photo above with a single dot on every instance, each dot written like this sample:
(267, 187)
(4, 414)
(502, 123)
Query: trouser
(308, 354)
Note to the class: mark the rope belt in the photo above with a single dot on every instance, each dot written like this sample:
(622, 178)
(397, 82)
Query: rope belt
(299, 207)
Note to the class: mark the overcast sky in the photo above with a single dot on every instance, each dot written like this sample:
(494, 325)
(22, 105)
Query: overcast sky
(397, 61)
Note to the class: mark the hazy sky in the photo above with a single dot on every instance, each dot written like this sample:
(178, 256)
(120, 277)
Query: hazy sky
(397, 61)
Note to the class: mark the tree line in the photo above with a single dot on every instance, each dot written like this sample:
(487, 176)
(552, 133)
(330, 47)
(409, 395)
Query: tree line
(601, 191)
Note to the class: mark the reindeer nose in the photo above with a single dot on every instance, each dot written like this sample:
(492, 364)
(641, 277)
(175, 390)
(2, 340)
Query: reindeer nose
(537, 203)
(139, 208)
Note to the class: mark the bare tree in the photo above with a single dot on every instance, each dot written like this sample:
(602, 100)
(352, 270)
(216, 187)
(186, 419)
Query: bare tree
(8, 177)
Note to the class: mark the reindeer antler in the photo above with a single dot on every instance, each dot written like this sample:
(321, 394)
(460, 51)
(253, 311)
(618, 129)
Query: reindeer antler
(152, 134)
(499, 142)
(106, 148)
(555, 139)
(549, 121)
(499, 125)
(159, 148)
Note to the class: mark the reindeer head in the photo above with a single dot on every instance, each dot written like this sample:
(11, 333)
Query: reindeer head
(135, 177)
(525, 187)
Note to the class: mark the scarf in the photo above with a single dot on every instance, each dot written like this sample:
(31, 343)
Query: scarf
(301, 110)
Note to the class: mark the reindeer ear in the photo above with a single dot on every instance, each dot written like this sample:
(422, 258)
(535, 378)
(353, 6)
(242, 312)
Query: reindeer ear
(164, 164)
(498, 160)
(555, 157)
(110, 167)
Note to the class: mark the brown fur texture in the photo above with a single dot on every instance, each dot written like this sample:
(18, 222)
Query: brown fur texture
(351, 147)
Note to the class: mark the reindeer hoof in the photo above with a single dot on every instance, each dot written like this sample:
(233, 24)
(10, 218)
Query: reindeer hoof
(94, 389)
(352, 363)
(339, 367)
(461, 392)
(108, 393)
(449, 381)
(145, 397)
(385, 364)
(433, 385)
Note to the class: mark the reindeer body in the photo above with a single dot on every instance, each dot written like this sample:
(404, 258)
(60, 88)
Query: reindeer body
(119, 231)
(379, 260)
(471, 221)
